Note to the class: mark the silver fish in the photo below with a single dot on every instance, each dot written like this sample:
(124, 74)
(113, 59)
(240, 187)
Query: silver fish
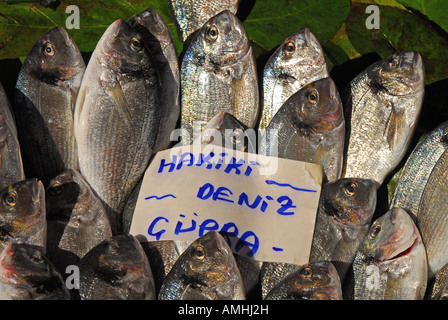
(117, 116)
(76, 219)
(391, 263)
(11, 166)
(157, 37)
(45, 95)
(408, 190)
(218, 73)
(314, 281)
(299, 60)
(23, 214)
(382, 104)
(190, 15)
(206, 270)
(432, 217)
(27, 274)
(310, 127)
(344, 215)
(116, 269)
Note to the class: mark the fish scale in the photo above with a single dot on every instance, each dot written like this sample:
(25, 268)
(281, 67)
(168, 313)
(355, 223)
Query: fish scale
(432, 218)
(411, 183)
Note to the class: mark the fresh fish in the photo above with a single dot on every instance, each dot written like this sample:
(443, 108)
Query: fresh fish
(299, 60)
(116, 269)
(157, 37)
(27, 274)
(382, 104)
(345, 211)
(227, 131)
(117, 116)
(11, 166)
(314, 281)
(76, 219)
(391, 264)
(432, 217)
(206, 270)
(190, 15)
(309, 127)
(45, 95)
(408, 190)
(22, 214)
(438, 290)
(218, 73)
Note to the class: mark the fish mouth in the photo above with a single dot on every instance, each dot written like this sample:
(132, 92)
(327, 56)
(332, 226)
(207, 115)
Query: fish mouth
(406, 249)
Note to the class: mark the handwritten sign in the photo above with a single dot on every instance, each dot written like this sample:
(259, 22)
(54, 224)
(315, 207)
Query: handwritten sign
(265, 206)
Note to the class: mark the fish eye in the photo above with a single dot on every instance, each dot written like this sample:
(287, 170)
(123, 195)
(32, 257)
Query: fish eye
(55, 191)
(289, 48)
(375, 231)
(199, 253)
(136, 44)
(313, 97)
(10, 199)
(350, 190)
(306, 273)
(48, 49)
(393, 63)
(235, 137)
(36, 257)
(112, 247)
(212, 33)
(444, 296)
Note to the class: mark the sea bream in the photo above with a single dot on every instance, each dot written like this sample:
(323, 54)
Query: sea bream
(309, 127)
(45, 96)
(391, 263)
(159, 41)
(117, 116)
(218, 73)
(382, 106)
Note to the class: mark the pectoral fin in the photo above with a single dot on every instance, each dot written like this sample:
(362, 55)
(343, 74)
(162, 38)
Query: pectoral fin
(121, 102)
(394, 127)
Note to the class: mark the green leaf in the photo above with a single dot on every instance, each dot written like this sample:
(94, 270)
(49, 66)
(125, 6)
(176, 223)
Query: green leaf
(23, 23)
(434, 10)
(400, 30)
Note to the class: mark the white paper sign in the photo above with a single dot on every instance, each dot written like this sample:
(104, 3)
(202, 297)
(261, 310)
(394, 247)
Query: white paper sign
(266, 206)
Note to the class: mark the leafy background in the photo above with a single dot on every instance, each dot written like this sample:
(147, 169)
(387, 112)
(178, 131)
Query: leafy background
(338, 24)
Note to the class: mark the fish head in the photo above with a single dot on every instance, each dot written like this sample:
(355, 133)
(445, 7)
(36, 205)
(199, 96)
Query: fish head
(22, 264)
(55, 57)
(226, 130)
(120, 258)
(350, 201)
(316, 281)
(209, 260)
(392, 236)
(223, 39)
(300, 49)
(62, 194)
(318, 106)
(124, 48)
(399, 74)
(22, 201)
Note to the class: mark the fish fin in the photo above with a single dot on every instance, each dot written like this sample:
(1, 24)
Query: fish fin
(393, 127)
(193, 293)
(116, 92)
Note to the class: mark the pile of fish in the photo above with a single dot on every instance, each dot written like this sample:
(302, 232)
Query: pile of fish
(78, 137)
